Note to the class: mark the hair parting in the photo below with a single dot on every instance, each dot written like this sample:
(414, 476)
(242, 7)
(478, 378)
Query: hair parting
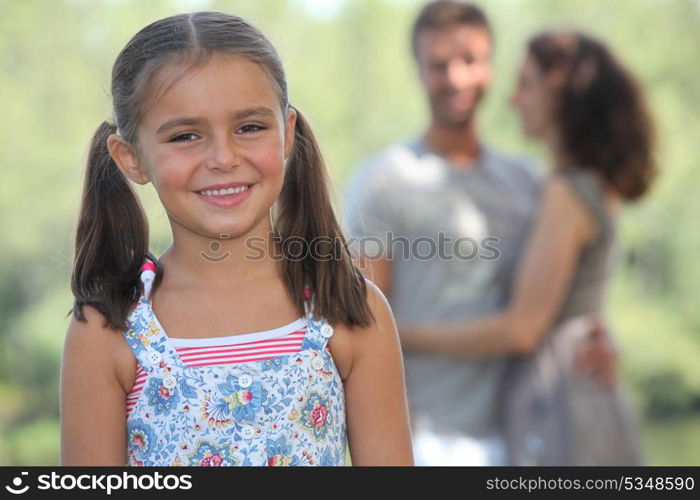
(112, 232)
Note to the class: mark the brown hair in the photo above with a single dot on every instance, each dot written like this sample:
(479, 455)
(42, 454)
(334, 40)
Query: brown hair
(112, 234)
(443, 14)
(601, 113)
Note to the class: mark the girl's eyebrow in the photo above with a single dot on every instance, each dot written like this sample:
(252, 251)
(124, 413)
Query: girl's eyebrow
(176, 122)
(186, 120)
(257, 110)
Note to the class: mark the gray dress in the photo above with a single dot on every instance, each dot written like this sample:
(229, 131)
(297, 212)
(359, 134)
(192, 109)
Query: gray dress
(552, 415)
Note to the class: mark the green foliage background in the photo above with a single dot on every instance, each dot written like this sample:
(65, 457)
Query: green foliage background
(350, 72)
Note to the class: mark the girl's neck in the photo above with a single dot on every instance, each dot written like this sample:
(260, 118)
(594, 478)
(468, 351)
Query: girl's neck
(221, 263)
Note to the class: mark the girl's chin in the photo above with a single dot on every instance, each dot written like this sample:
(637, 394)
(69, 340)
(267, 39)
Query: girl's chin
(227, 232)
(230, 231)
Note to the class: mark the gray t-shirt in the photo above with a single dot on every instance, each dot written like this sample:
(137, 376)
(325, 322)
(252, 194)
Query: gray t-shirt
(412, 196)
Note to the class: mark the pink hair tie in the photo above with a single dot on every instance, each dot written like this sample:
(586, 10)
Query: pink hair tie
(148, 266)
(148, 272)
(307, 300)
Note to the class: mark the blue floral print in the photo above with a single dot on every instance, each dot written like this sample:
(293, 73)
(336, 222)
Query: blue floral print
(315, 416)
(141, 438)
(207, 455)
(289, 410)
(272, 364)
(160, 398)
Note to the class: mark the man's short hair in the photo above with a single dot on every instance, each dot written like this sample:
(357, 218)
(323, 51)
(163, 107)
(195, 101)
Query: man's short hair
(442, 14)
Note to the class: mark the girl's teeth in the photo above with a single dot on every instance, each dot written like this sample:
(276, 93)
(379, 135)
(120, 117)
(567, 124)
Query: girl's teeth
(224, 192)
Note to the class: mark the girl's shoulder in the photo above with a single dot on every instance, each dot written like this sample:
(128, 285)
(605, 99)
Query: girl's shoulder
(350, 343)
(378, 306)
(96, 346)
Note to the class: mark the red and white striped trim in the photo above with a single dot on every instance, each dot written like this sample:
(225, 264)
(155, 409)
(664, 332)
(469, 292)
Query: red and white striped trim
(136, 389)
(225, 354)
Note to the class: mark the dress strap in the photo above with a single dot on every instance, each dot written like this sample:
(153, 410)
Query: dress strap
(318, 330)
(144, 334)
(147, 340)
(590, 193)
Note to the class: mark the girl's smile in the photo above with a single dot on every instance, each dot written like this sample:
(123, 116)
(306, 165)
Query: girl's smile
(201, 110)
(226, 195)
(213, 144)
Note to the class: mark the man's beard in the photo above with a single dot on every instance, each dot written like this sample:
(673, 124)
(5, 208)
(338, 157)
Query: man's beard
(452, 118)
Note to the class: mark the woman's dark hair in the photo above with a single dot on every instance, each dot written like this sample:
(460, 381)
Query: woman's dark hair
(601, 113)
(112, 234)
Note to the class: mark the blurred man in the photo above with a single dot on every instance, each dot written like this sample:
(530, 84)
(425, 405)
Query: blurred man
(439, 221)
(475, 205)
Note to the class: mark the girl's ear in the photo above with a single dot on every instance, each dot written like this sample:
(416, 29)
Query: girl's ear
(125, 157)
(289, 131)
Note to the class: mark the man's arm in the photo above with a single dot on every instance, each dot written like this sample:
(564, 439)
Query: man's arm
(371, 213)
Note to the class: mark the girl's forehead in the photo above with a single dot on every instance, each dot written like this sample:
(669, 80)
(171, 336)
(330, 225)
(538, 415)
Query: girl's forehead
(221, 80)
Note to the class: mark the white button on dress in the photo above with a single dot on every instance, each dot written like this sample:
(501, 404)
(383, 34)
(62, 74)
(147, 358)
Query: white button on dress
(170, 382)
(317, 363)
(327, 330)
(247, 431)
(245, 380)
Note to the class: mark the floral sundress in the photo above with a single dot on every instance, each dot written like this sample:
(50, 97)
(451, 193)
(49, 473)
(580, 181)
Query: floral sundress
(288, 410)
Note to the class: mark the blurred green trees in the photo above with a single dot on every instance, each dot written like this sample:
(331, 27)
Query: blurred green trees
(351, 73)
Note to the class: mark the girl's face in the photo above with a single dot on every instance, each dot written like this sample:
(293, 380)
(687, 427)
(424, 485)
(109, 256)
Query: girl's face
(214, 146)
(533, 100)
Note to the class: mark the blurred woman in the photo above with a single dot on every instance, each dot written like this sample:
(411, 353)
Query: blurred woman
(577, 98)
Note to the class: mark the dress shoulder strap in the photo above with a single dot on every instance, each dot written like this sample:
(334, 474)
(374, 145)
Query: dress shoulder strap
(589, 190)
(318, 330)
(143, 335)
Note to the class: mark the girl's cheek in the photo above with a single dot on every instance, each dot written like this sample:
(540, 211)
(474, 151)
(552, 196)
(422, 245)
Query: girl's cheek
(170, 180)
(268, 160)
(172, 175)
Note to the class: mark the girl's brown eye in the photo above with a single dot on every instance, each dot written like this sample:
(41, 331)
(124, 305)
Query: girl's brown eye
(183, 137)
(251, 128)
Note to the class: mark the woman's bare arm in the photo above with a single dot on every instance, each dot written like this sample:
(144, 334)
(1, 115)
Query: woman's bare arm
(562, 228)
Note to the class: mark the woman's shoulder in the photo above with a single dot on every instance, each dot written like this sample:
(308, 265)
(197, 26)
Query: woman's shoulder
(560, 190)
(590, 191)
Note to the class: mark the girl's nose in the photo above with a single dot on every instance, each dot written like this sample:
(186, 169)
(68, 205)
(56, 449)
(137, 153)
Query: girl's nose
(224, 154)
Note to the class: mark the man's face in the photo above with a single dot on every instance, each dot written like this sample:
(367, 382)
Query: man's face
(454, 65)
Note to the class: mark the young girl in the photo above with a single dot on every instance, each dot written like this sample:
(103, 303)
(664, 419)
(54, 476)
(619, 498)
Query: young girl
(577, 98)
(157, 369)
